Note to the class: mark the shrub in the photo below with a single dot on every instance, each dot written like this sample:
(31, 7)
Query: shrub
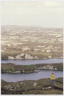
(9, 69)
(13, 70)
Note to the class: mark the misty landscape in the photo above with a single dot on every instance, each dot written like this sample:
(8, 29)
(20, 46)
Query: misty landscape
(30, 43)
(19, 42)
(31, 48)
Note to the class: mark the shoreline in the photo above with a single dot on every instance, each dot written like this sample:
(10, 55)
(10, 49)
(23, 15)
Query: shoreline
(12, 68)
(32, 59)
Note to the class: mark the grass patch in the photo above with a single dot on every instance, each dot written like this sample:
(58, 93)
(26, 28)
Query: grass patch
(4, 55)
(10, 69)
(30, 66)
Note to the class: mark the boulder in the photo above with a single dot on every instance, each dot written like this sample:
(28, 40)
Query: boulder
(11, 58)
(50, 57)
(22, 71)
(55, 68)
(46, 88)
(36, 71)
(28, 56)
(34, 84)
(48, 51)
(50, 67)
(22, 54)
(42, 67)
(17, 72)
(18, 57)
(35, 57)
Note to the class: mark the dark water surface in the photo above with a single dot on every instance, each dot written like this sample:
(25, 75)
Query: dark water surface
(29, 62)
(31, 76)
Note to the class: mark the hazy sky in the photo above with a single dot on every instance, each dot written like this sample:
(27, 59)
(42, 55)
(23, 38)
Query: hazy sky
(38, 13)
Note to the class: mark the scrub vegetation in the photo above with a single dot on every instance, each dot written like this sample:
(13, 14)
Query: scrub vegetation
(11, 68)
(41, 86)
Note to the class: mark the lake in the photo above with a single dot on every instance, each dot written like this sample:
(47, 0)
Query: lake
(29, 62)
(31, 76)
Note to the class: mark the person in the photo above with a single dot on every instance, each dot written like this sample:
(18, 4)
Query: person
(52, 78)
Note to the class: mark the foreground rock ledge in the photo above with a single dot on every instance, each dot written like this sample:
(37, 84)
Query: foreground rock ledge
(42, 86)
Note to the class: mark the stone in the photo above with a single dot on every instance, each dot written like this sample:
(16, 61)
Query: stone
(11, 58)
(34, 84)
(48, 51)
(22, 54)
(23, 71)
(43, 88)
(17, 72)
(50, 67)
(35, 57)
(18, 57)
(55, 68)
(48, 87)
(28, 56)
(50, 57)
(21, 83)
(36, 71)
(42, 67)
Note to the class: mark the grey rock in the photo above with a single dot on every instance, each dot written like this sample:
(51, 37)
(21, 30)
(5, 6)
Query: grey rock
(46, 88)
(18, 57)
(55, 68)
(21, 83)
(11, 58)
(36, 57)
(17, 72)
(28, 56)
(36, 71)
(23, 71)
(34, 84)
(22, 54)
(50, 67)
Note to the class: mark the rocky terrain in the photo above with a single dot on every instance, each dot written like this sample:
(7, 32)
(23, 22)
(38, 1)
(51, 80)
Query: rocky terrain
(42, 86)
(12, 68)
(19, 42)
(22, 56)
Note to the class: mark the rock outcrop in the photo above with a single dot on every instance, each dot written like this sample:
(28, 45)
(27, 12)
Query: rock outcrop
(18, 57)
(28, 56)
(47, 67)
(42, 86)
(12, 68)
(11, 58)
(22, 56)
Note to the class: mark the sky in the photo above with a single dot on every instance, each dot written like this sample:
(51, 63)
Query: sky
(33, 13)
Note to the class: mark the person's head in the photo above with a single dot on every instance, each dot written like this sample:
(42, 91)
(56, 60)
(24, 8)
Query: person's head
(52, 73)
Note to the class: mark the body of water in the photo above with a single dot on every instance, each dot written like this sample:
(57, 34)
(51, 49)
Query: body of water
(29, 62)
(31, 76)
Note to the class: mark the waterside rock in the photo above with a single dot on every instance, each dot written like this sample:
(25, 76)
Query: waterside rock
(36, 71)
(48, 67)
(28, 56)
(11, 58)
